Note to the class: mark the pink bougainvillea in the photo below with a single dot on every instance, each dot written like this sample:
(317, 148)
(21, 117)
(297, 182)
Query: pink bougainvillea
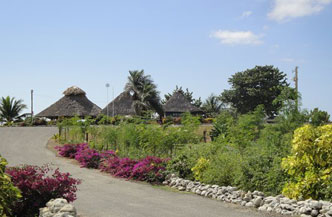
(148, 169)
(87, 157)
(69, 150)
(40, 184)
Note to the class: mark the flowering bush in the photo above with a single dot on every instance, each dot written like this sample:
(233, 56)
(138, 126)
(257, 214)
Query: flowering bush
(87, 157)
(120, 167)
(90, 158)
(69, 150)
(38, 188)
(149, 169)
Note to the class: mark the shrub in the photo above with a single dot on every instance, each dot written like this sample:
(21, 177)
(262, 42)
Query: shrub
(222, 125)
(38, 188)
(90, 158)
(9, 194)
(124, 167)
(149, 169)
(318, 117)
(310, 163)
(181, 166)
(69, 150)
(223, 168)
(199, 168)
(261, 170)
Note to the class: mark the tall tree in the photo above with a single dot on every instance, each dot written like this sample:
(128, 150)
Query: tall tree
(212, 106)
(10, 108)
(260, 85)
(319, 117)
(145, 93)
(189, 96)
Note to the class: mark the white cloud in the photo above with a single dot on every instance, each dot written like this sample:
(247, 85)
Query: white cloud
(246, 14)
(284, 10)
(237, 37)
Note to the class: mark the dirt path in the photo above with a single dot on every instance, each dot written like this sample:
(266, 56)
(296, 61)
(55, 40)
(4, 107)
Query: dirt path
(101, 195)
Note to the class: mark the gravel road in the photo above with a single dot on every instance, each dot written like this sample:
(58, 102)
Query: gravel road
(101, 195)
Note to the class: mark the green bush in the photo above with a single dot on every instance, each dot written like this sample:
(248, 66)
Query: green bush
(318, 117)
(310, 163)
(223, 167)
(221, 125)
(9, 194)
(180, 166)
(261, 170)
(199, 169)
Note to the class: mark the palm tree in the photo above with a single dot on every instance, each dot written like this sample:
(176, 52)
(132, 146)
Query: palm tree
(10, 108)
(212, 105)
(144, 92)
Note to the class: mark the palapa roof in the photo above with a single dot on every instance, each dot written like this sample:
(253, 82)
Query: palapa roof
(179, 103)
(73, 103)
(123, 105)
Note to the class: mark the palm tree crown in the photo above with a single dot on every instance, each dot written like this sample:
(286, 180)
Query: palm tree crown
(10, 108)
(145, 94)
(212, 105)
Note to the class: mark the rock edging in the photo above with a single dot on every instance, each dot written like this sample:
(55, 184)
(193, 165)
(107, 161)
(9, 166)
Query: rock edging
(58, 208)
(279, 204)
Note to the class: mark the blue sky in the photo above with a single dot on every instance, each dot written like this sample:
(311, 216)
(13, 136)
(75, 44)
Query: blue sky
(198, 44)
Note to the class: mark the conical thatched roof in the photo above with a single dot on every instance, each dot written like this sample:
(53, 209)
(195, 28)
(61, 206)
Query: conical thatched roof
(123, 105)
(178, 103)
(73, 103)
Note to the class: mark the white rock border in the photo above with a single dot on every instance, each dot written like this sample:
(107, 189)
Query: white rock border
(279, 204)
(58, 208)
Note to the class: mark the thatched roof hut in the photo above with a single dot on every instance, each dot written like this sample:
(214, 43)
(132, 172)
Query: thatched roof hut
(123, 105)
(178, 104)
(74, 103)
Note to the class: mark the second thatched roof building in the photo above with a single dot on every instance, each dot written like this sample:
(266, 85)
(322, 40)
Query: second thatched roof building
(122, 105)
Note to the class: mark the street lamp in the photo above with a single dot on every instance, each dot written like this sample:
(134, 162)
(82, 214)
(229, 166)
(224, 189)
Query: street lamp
(107, 86)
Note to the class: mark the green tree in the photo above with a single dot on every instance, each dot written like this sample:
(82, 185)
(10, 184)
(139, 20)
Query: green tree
(10, 108)
(212, 106)
(257, 86)
(144, 91)
(318, 117)
(189, 96)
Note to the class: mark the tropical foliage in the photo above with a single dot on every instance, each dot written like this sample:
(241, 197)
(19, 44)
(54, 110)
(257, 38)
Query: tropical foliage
(212, 106)
(10, 108)
(318, 117)
(310, 163)
(38, 185)
(9, 194)
(257, 86)
(144, 92)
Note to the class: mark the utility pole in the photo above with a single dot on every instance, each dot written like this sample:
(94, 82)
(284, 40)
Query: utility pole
(107, 86)
(296, 79)
(113, 100)
(31, 106)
